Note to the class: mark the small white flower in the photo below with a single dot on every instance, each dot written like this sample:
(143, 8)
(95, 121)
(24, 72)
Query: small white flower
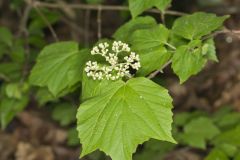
(117, 68)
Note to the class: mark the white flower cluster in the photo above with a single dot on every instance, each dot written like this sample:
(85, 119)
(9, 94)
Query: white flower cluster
(117, 68)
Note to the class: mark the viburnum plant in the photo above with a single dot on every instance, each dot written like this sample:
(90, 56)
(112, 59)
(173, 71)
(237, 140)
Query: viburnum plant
(121, 107)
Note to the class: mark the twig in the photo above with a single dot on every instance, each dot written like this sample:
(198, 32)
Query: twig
(23, 31)
(235, 33)
(73, 26)
(163, 17)
(47, 23)
(155, 73)
(103, 7)
(86, 27)
(23, 23)
(99, 21)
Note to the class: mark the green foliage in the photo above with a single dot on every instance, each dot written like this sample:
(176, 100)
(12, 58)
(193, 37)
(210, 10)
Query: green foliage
(138, 6)
(59, 67)
(216, 155)
(228, 149)
(17, 52)
(116, 116)
(129, 113)
(64, 113)
(237, 157)
(43, 96)
(10, 107)
(229, 137)
(16, 90)
(37, 23)
(126, 30)
(73, 139)
(92, 88)
(149, 43)
(154, 150)
(197, 25)
(209, 50)
(198, 131)
(187, 61)
(6, 36)
(6, 41)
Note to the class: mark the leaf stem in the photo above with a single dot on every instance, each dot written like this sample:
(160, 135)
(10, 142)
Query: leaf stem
(170, 46)
(155, 73)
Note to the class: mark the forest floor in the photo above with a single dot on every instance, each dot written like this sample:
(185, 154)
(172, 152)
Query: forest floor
(33, 135)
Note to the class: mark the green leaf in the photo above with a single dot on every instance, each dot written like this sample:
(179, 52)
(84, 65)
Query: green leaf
(43, 96)
(125, 115)
(187, 61)
(17, 53)
(64, 113)
(229, 137)
(180, 119)
(59, 66)
(154, 150)
(73, 139)
(209, 50)
(9, 108)
(92, 88)
(197, 25)
(149, 44)
(198, 131)
(3, 49)
(6, 36)
(138, 6)
(237, 157)
(13, 90)
(11, 71)
(126, 30)
(16, 4)
(217, 116)
(216, 154)
(229, 120)
(228, 149)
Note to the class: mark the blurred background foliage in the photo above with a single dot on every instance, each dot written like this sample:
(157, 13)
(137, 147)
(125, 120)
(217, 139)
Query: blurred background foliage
(37, 125)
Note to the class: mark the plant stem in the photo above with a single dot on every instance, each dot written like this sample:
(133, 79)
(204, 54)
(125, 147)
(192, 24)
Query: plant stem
(154, 74)
(103, 7)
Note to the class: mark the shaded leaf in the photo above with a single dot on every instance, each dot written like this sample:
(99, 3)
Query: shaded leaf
(12, 71)
(59, 66)
(64, 113)
(216, 154)
(43, 96)
(6, 36)
(197, 25)
(229, 137)
(9, 108)
(73, 139)
(198, 131)
(138, 6)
